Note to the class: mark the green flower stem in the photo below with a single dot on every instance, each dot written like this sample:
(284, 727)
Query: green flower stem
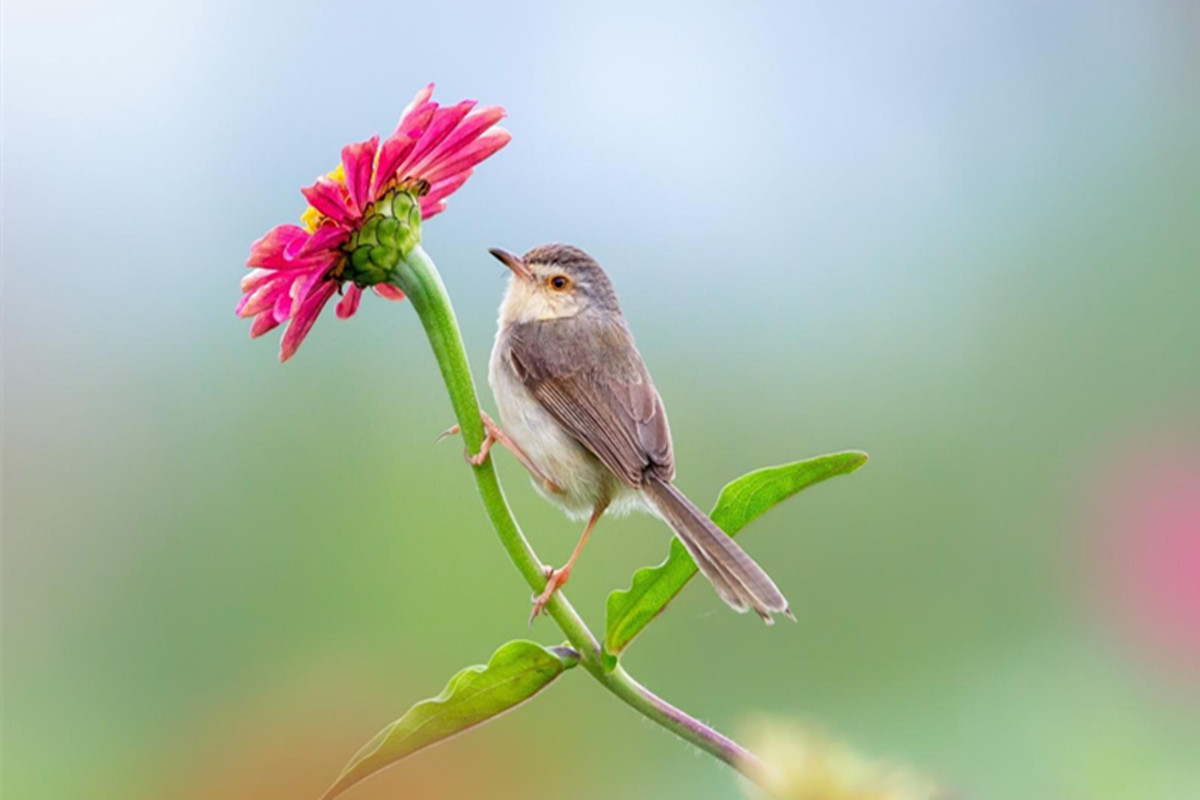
(418, 278)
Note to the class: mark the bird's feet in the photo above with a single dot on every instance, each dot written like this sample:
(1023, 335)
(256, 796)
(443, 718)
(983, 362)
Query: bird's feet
(490, 429)
(555, 580)
(492, 435)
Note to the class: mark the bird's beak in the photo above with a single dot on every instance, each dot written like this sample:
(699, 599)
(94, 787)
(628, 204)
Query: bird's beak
(514, 263)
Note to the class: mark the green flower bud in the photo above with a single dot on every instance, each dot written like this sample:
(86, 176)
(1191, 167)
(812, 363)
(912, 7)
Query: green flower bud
(391, 229)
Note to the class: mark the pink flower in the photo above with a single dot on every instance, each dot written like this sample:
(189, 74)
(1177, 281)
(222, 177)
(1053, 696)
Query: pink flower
(1144, 556)
(297, 269)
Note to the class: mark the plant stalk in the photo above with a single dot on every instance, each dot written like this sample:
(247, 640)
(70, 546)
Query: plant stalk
(418, 278)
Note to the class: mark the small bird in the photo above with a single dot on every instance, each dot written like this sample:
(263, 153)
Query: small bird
(580, 412)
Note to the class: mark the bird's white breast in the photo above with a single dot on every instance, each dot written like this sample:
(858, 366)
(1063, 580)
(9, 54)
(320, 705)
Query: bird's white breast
(584, 480)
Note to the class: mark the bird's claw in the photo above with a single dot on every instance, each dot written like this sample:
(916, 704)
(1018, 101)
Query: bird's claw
(538, 608)
(555, 580)
(478, 458)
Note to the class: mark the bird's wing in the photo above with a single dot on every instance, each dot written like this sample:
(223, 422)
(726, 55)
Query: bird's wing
(589, 376)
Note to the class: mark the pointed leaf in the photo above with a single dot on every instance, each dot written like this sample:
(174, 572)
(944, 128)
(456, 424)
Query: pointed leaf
(741, 502)
(515, 673)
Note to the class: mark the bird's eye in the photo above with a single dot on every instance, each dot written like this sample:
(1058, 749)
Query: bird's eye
(558, 282)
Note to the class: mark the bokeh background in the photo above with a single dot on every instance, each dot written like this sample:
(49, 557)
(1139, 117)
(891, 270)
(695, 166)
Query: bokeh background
(962, 237)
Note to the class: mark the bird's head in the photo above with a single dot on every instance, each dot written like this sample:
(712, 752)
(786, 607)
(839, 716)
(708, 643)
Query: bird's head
(554, 281)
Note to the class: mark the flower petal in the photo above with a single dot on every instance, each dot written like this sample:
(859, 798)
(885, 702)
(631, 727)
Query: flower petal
(468, 131)
(303, 287)
(242, 305)
(271, 250)
(358, 162)
(326, 239)
(256, 278)
(444, 121)
(349, 302)
(393, 152)
(444, 188)
(469, 156)
(416, 113)
(264, 322)
(434, 202)
(388, 292)
(263, 298)
(304, 319)
(283, 307)
(431, 208)
(328, 197)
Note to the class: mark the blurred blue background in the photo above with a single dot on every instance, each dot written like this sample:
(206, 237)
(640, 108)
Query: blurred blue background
(962, 237)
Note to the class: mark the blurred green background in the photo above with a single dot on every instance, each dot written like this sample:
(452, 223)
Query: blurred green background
(963, 238)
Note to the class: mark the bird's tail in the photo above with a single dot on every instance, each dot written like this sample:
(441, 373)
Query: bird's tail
(738, 580)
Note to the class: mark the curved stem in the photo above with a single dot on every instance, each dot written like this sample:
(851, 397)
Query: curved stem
(419, 279)
(623, 685)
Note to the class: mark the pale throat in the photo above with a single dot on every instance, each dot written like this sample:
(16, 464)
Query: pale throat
(529, 302)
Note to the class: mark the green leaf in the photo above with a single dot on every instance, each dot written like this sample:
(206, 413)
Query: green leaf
(741, 502)
(515, 673)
